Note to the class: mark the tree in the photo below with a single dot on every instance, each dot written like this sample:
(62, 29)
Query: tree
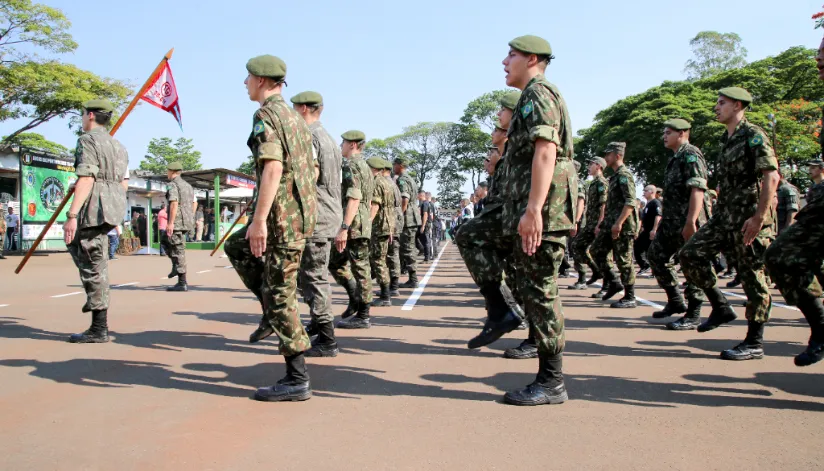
(483, 111)
(714, 53)
(34, 141)
(248, 167)
(24, 25)
(468, 151)
(162, 152)
(450, 181)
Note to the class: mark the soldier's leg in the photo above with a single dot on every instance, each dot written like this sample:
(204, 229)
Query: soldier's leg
(2, 241)
(177, 252)
(340, 268)
(408, 240)
(393, 262)
(602, 247)
(580, 250)
(622, 248)
(577, 262)
(358, 252)
(281, 310)
(248, 267)
(537, 279)
(314, 271)
(165, 249)
(89, 252)
(380, 247)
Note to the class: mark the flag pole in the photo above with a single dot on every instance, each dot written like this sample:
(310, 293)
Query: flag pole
(116, 126)
(229, 232)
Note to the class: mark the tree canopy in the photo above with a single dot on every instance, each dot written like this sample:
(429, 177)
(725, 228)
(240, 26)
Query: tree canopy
(34, 141)
(162, 152)
(714, 53)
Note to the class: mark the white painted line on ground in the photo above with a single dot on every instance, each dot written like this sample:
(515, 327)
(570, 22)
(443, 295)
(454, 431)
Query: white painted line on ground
(126, 284)
(736, 295)
(165, 278)
(4, 305)
(229, 266)
(203, 271)
(413, 298)
(640, 300)
(67, 294)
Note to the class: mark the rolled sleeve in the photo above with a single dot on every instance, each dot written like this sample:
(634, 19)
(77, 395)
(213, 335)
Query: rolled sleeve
(545, 132)
(270, 146)
(354, 194)
(544, 119)
(764, 154)
(696, 182)
(174, 193)
(87, 162)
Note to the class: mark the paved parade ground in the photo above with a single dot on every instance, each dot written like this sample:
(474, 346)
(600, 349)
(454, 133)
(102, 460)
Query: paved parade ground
(173, 389)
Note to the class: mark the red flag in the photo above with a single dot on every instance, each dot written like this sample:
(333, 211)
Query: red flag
(163, 93)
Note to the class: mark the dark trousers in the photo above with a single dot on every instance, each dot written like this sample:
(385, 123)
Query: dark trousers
(114, 241)
(11, 235)
(642, 244)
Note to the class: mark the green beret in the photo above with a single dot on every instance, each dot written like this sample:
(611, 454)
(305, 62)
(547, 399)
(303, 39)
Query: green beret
(175, 166)
(510, 100)
(678, 124)
(816, 163)
(98, 105)
(307, 98)
(600, 161)
(376, 162)
(617, 147)
(353, 136)
(736, 93)
(531, 45)
(267, 66)
(401, 161)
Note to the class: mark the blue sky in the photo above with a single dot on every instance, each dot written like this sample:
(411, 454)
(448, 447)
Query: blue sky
(385, 65)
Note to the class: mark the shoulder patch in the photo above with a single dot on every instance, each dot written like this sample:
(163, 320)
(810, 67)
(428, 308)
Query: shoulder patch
(526, 110)
(692, 158)
(623, 179)
(756, 140)
(258, 128)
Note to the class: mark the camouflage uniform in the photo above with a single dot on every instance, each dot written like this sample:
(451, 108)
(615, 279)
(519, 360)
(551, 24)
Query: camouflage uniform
(393, 259)
(104, 158)
(578, 262)
(412, 220)
(788, 196)
(358, 183)
(2, 229)
(314, 265)
(383, 226)
(743, 157)
(685, 171)
(621, 194)
(280, 134)
(175, 246)
(541, 113)
(595, 200)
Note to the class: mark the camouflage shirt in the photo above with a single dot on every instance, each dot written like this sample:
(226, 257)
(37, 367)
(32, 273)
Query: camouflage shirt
(686, 170)
(814, 209)
(330, 162)
(398, 208)
(596, 199)
(104, 158)
(409, 189)
(788, 196)
(744, 155)
(280, 134)
(582, 195)
(383, 196)
(621, 194)
(541, 113)
(184, 194)
(359, 184)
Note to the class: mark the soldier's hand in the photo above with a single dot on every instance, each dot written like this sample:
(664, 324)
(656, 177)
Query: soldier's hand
(616, 231)
(531, 229)
(652, 235)
(574, 230)
(340, 240)
(170, 229)
(597, 230)
(752, 227)
(257, 237)
(69, 230)
(689, 230)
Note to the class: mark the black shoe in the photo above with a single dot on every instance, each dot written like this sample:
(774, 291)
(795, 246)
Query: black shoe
(263, 331)
(86, 308)
(311, 328)
(523, 325)
(2, 257)
(579, 285)
(684, 323)
(385, 300)
(672, 308)
(285, 391)
(613, 289)
(523, 351)
(743, 351)
(735, 282)
(595, 277)
(600, 294)
(624, 303)
(354, 323)
(90, 336)
(492, 331)
(536, 395)
(322, 350)
(173, 273)
(178, 287)
(393, 288)
(718, 317)
(412, 283)
(813, 354)
(351, 289)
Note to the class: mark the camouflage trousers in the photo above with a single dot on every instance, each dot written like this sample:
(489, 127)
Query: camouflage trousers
(581, 251)
(408, 238)
(393, 258)
(662, 252)
(273, 279)
(175, 248)
(378, 251)
(2, 242)
(355, 257)
(537, 277)
(314, 279)
(795, 259)
(621, 249)
(720, 235)
(90, 252)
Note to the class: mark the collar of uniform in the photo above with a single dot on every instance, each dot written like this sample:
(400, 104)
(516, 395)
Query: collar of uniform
(681, 149)
(355, 157)
(537, 78)
(99, 130)
(277, 97)
(618, 170)
(726, 137)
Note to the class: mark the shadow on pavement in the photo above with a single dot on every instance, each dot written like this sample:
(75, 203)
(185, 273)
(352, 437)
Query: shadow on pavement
(782, 349)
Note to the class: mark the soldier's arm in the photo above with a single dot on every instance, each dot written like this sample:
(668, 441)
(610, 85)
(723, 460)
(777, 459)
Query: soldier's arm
(792, 207)
(697, 182)
(377, 201)
(270, 152)
(767, 164)
(544, 130)
(87, 164)
(628, 192)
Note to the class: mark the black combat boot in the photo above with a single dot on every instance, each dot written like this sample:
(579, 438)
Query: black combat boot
(721, 313)
(351, 289)
(813, 311)
(173, 273)
(384, 300)
(311, 328)
(527, 348)
(751, 348)
(628, 301)
(735, 281)
(264, 330)
(293, 387)
(594, 278)
(181, 284)
(394, 286)
(325, 344)
(612, 289)
(675, 304)
(98, 332)
(548, 387)
(413, 281)
(501, 319)
(360, 321)
(691, 319)
(581, 283)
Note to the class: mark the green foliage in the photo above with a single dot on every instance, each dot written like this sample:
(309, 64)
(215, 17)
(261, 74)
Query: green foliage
(450, 181)
(34, 141)
(161, 152)
(714, 53)
(426, 145)
(248, 167)
(24, 25)
(483, 111)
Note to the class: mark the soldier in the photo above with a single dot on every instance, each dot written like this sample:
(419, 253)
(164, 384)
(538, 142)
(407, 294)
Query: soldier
(742, 223)
(788, 204)
(618, 229)
(181, 221)
(2, 231)
(266, 252)
(411, 222)
(393, 260)
(685, 210)
(99, 204)
(580, 221)
(539, 208)
(382, 216)
(596, 203)
(352, 242)
(816, 169)
(314, 264)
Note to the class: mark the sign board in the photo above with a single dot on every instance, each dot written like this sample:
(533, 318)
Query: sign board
(239, 182)
(44, 181)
